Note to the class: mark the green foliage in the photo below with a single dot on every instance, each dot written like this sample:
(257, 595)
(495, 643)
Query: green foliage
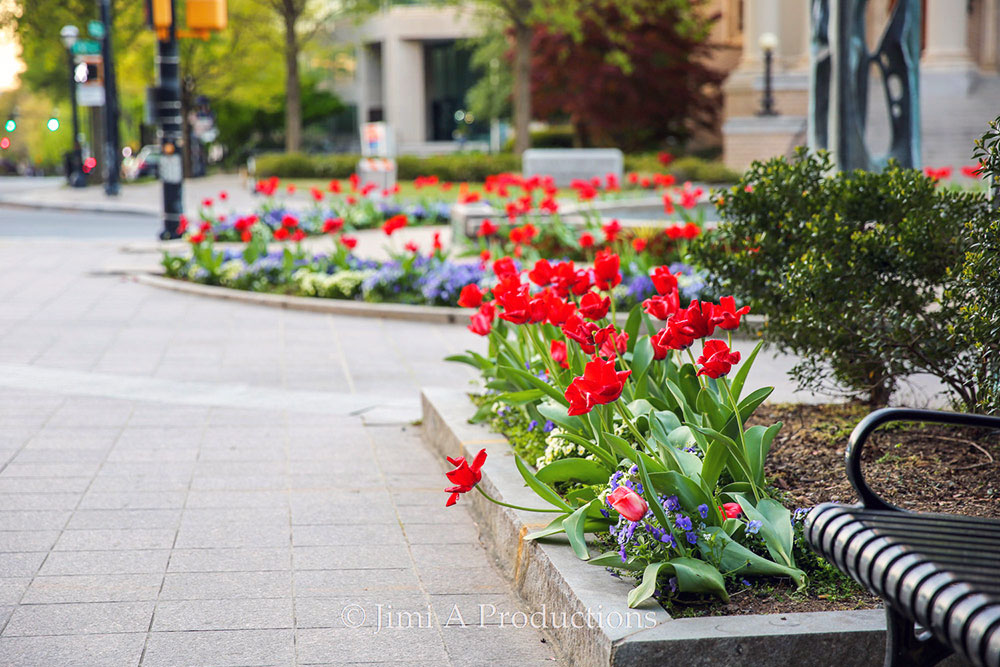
(456, 167)
(849, 269)
(466, 166)
(686, 168)
(977, 290)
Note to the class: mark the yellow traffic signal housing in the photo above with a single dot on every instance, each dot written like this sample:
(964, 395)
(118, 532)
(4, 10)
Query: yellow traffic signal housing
(206, 15)
(162, 16)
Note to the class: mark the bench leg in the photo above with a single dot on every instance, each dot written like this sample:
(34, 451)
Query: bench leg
(903, 646)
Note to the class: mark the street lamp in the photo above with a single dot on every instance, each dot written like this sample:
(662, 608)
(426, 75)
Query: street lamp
(74, 159)
(768, 43)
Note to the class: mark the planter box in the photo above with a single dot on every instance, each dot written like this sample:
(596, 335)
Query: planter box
(554, 583)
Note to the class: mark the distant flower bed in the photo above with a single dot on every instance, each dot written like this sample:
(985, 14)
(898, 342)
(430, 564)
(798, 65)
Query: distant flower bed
(407, 277)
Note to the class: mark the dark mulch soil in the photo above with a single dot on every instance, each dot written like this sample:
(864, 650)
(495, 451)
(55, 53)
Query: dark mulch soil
(923, 467)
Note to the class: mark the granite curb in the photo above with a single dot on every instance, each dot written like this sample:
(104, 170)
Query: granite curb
(551, 579)
(430, 314)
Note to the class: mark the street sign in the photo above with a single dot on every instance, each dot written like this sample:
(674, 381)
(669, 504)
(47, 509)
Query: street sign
(89, 95)
(86, 47)
(96, 29)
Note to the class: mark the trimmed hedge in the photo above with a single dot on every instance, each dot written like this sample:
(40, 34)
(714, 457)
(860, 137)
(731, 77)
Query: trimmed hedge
(473, 167)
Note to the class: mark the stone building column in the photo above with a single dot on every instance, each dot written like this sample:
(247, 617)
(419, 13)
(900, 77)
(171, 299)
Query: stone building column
(403, 90)
(947, 40)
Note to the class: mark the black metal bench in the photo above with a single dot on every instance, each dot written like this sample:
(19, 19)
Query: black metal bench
(938, 574)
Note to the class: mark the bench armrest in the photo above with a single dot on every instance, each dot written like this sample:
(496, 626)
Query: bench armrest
(884, 416)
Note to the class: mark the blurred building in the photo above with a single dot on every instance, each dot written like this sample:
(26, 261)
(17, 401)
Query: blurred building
(407, 66)
(959, 76)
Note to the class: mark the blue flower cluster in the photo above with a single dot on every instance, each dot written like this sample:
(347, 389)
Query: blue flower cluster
(443, 281)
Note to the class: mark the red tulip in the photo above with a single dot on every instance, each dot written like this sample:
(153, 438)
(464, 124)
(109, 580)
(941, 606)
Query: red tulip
(628, 503)
(606, 273)
(331, 225)
(611, 231)
(411, 247)
(662, 307)
(664, 281)
(586, 240)
(559, 353)
(281, 234)
(731, 510)
(601, 382)
(394, 223)
(541, 275)
(639, 244)
(289, 221)
(725, 315)
(196, 238)
(223, 195)
(349, 242)
(593, 307)
(695, 320)
(298, 235)
(717, 359)
(610, 343)
(580, 402)
(471, 296)
(481, 322)
(582, 332)
(464, 476)
(505, 268)
(207, 203)
(558, 310)
(972, 172)
(669, 338)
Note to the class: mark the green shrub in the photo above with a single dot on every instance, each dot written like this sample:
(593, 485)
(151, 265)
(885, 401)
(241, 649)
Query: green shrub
(686, 168)
(852, 270)
(469, 166)
(454, 167)
(977, 325)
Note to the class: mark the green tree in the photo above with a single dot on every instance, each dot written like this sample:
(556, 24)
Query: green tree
(519, 20)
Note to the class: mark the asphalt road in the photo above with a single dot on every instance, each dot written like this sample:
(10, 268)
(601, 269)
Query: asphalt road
(35, 223)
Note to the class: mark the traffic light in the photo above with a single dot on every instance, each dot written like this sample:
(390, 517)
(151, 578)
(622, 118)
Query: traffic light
(53, 124)
(161, 15)
(10, 125)
(4, 143)
(206, 14)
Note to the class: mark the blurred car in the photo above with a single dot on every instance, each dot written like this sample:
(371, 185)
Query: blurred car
(145, 163)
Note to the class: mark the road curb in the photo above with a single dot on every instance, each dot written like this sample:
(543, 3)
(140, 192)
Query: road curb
(77, 208)
(552, 580)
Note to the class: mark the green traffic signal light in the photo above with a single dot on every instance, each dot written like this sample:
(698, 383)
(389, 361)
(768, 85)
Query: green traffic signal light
(10, 125)
(53, 124)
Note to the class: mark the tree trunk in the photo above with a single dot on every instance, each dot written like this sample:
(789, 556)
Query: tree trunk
(293, 92)
(522, 87)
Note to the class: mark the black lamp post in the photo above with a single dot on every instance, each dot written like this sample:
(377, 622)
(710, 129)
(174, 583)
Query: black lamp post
(768, 43)
(74, 159)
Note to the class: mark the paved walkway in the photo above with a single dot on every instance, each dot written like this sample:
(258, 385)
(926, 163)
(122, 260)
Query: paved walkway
(192, 482)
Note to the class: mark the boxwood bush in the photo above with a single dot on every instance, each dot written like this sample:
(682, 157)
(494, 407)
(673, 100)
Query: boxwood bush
(857, 271)
(469, 166)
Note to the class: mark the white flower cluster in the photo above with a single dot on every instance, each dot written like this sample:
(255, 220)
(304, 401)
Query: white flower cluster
(340, 285)
(230, 270)
(556, 448)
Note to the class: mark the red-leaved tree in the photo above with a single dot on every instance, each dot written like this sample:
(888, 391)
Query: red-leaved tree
(631, 79)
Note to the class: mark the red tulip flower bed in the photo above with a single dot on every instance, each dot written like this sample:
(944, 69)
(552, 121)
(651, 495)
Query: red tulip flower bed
(647, 446)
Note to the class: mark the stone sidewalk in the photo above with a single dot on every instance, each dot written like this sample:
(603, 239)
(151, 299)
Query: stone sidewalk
(192, 482)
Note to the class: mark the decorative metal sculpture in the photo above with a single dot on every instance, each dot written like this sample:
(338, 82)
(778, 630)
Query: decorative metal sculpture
(838, 96)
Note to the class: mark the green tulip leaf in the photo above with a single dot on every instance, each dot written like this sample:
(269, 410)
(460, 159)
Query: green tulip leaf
(544, 491)
(741, 375)
(586, 471)
(574, 527)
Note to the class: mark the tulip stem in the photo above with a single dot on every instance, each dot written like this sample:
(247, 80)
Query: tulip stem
(514, 507)
(638, 436)
(739, 428)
